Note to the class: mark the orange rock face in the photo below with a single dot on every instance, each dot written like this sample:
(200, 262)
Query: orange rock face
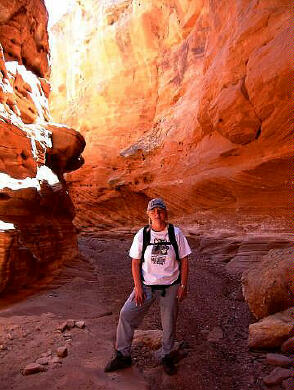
(36, 230)
(23, 34)
(186, 100)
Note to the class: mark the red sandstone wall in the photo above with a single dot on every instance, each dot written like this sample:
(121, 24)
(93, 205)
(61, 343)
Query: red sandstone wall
(39, 210)
(186, 100)
(23, 34)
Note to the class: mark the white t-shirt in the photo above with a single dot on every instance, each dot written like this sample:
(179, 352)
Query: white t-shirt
(160, 265)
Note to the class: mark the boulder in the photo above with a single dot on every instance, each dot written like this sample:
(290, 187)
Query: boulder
(67, 147)
(272, 331)
(268, 286)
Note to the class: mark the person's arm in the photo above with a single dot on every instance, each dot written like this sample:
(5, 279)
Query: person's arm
(182, 292)
(136, 272)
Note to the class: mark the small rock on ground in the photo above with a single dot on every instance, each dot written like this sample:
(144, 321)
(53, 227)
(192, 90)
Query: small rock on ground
(33, 368)
(80, 324)
(70, 324)
(277, 376)
(277, 359)
(62, 352)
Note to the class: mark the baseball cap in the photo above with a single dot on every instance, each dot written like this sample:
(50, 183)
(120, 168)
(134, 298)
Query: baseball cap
(156, 202)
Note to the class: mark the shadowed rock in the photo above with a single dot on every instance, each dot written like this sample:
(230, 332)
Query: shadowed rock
(36, 212)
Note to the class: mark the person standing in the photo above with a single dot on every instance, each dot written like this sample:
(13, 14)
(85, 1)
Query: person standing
(159, 255)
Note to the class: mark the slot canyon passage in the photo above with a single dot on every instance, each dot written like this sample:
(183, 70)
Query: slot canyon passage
(115, 102)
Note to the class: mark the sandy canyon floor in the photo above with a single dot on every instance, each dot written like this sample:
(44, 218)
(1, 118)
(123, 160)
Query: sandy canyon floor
(213, 326)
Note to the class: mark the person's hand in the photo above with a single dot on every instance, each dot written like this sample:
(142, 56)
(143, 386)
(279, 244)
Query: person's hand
(182, 293)
(139, 295)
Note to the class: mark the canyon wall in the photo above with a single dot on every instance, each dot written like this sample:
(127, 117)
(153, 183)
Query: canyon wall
(188, 100)
(36, 212)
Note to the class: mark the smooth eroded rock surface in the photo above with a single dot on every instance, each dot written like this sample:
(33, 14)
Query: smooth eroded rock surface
(186, 100)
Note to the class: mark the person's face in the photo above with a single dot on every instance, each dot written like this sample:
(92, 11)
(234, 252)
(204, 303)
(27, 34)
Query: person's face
(157, 215)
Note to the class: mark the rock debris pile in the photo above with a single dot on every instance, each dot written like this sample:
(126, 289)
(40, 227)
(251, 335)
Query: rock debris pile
(53, 359)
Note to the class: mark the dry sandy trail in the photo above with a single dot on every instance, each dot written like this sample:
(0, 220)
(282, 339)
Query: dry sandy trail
(92, 289)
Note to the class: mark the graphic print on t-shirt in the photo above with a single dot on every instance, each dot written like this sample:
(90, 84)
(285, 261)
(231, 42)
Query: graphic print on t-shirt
(159, 251)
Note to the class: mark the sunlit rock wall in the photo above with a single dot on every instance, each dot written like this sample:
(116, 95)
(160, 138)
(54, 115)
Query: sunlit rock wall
(189, 100)
(36, 212)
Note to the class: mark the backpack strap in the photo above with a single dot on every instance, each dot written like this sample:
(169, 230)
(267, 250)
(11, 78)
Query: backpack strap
(173, 241)
(171, 235)
(146, 240)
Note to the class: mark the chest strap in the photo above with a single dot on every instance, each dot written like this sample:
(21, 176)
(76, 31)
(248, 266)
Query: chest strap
(172, 240)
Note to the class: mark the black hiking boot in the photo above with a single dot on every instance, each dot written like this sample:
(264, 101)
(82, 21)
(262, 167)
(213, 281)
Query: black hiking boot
(118, 362)
(168, 365)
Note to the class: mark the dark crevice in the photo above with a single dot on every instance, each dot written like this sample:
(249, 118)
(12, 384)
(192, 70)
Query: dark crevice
(258, 133)
(23, 155)
(4, 196)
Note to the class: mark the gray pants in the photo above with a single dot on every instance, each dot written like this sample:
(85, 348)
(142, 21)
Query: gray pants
(131, 316)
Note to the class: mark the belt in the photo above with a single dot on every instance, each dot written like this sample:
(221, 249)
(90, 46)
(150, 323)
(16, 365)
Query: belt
(163, 287)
